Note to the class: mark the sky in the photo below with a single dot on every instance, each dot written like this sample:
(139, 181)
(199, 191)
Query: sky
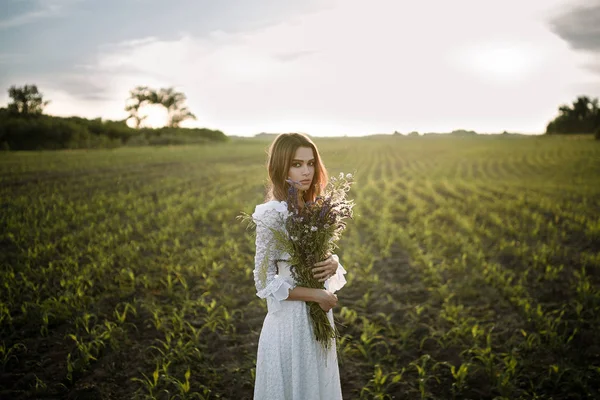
(321, 67)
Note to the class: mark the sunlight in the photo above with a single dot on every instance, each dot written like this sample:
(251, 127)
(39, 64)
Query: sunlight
(499, 62)
(156, 116)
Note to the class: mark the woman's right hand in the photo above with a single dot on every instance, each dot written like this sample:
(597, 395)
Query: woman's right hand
(327, 300)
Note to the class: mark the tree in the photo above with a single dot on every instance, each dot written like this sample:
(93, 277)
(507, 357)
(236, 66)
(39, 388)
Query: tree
(174, 103)
(172, 100)
(26, 100)
(582, 117)
(138, 96)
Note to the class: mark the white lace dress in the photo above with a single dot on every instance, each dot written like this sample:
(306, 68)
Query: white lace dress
(290, 363)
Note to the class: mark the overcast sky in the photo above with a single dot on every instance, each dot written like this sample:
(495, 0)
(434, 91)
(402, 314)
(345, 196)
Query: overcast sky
(323, 67)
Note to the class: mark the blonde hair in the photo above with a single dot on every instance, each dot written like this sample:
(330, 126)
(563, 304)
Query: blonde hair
(280, 156)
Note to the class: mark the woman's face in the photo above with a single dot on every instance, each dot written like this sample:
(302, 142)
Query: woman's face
(302, 168)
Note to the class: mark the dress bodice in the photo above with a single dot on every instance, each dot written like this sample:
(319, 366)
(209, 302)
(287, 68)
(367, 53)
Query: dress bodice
(283, 268)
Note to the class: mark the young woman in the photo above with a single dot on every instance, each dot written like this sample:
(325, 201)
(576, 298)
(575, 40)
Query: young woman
(290, 363)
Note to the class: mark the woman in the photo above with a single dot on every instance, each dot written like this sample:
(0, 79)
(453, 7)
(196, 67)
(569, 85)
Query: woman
(290, 363)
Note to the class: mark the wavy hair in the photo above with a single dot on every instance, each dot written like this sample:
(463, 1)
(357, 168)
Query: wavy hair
(280, 156)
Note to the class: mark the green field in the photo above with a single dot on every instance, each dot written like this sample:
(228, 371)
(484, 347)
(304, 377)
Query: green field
(473, 270)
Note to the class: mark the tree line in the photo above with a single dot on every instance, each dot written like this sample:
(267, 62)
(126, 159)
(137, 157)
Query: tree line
(24, 126)
(583, 116)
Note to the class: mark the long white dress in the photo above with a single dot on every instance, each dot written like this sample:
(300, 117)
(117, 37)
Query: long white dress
(290, 364)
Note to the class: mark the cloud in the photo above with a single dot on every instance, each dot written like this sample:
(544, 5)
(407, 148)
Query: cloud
(352, 68)
(11, 58)
(580, 26)
(42, 9)
(82, 86)
(293, 55)
(593, 67)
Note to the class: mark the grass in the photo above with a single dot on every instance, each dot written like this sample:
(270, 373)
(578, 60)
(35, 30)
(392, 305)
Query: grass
(473, 270)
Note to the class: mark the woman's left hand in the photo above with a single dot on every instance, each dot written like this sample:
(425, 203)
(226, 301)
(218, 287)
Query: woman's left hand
(325, 269)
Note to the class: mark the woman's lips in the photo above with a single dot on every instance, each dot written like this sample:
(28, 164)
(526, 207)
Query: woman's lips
(306, 181)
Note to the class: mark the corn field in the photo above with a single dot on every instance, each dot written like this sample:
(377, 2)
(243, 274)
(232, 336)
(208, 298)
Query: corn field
(473, 270)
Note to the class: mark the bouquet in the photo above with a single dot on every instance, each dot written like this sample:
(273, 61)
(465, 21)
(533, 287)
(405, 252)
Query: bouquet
(312, 234)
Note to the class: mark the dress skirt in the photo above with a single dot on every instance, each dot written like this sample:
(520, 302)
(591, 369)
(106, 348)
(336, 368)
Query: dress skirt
(291, 364)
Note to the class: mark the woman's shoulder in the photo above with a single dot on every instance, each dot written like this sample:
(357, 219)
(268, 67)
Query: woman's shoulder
(270, 207)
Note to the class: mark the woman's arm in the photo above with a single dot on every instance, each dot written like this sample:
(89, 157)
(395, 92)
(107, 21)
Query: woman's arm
(325, 298)
(305, 294)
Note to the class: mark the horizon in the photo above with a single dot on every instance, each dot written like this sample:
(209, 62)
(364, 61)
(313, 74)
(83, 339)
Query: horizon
(248, 68)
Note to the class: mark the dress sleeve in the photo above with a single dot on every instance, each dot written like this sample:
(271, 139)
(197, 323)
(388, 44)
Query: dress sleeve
(337, 281)
(269, 285)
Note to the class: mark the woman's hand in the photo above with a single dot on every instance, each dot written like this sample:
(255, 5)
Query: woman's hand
(325, 269)
(327, 300)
